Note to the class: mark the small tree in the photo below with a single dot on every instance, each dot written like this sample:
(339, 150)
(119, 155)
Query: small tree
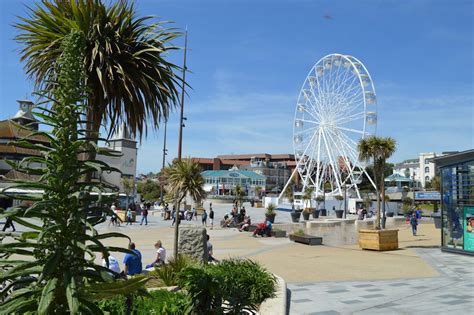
(307, 195)
(183, 178)
(239, 193)
(340, 199)
(290, 195)
(53, 270)
(128, 185)
(319, 199)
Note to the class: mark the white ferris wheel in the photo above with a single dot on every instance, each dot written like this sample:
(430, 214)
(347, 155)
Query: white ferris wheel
(336, 107)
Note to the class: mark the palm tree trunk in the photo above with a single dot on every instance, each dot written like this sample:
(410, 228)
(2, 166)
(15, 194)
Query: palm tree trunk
(382, 187)
(176, 229)
(377, 218)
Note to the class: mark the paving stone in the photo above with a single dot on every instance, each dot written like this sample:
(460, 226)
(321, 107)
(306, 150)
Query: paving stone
(351, 301)
(390, 304)
(300, 289)
(325, 313)
(369, 296)
(373, 290)
(305, 284)
(397, 284)
(337, 291)
(362, 285)
(301, 301)
(456, 302)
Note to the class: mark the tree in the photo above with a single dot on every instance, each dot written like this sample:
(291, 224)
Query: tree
(128, 185)
(149, 190)
(53, 270)
(239, 193)
(290, 195)
(127, 77)
(435, 183)
(307, 195)
(379, 150)
(258, 190)
(183, 178)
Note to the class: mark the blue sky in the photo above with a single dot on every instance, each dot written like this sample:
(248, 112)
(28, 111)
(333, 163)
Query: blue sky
(249, 58)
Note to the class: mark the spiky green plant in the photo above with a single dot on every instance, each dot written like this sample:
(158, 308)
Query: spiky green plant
(53, 270)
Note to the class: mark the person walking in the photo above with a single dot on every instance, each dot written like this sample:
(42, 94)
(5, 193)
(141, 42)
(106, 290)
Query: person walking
(204, 218)
(129, 216)
(211, 217)
(414, 224)
(144, 216)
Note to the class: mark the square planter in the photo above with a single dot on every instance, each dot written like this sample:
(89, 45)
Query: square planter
(307, 239)
(278, 233)
(380, 240)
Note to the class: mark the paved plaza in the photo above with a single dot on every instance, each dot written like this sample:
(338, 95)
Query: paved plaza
(417, 278)
(449, 293)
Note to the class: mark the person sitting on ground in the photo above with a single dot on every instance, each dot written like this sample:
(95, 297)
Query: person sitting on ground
(245, 225)
(110, 263)
(263, 229)
(227, 220)
(132, 262)
(160, 256)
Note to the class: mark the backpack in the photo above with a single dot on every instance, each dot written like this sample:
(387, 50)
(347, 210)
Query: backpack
(204, 216)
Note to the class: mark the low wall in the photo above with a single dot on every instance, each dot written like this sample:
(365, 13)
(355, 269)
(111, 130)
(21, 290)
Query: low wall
(336, 232)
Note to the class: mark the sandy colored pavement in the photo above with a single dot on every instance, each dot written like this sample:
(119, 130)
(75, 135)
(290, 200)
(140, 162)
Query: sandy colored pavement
(301, 263)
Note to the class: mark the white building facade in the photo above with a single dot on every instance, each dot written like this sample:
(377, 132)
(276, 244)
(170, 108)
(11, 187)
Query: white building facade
(420, 169)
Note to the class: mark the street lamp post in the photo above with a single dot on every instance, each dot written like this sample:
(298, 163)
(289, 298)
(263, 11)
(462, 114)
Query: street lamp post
(345, 200)
(180, 142)
(413, 186)
(163, 167)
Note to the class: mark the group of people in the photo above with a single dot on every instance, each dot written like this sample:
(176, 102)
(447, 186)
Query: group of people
(132, 263)
(236, 218)
(132, 207)
(188, 215)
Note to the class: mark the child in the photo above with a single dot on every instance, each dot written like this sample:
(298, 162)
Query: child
(414, 223)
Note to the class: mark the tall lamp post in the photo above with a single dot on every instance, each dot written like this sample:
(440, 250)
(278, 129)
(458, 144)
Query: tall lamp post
(165, 150)
(180, 142)
(413, 186)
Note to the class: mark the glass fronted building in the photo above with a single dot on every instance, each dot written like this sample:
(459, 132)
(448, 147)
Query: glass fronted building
(457, 191)
(223, 182)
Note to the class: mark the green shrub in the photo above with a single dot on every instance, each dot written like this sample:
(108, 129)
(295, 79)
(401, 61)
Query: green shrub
(168, 273)
(156, 302)
(241, 283)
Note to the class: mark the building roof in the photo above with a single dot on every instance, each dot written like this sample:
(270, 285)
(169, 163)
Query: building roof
(234, 174)
(397, 178)
(454, 158)
(9, 130)
(257, 155)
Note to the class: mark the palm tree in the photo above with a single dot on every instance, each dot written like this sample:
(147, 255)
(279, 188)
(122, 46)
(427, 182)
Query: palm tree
(379, 150)
(128, 79)
(183, 178)
(239, 193)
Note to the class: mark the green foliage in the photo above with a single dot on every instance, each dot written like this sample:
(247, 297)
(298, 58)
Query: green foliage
(271, 209)
(241, 283)
(168, 273)
(149, 190)
(54, 260)
(128, 77)
(159, 302)
(183, 178)
(300, 232)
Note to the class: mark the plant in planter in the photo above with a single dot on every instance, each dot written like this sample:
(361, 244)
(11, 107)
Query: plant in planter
(339, 211)
(270, 214)
(301, 237)
(320, 199)
(308, 192)
(379, 150)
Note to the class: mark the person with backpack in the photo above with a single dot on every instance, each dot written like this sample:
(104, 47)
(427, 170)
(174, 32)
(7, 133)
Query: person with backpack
(204, 218)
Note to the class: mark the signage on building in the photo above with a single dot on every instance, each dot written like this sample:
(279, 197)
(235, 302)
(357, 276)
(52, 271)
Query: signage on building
(468, 228)
(234, 174)
(427, 195)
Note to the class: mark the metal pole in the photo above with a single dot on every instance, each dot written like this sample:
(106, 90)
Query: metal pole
(413, 186)
(163, 167)
(345, 200)
(180, 144)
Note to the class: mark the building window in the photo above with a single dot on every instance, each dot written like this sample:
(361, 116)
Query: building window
(427, 178)
(427, 169)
